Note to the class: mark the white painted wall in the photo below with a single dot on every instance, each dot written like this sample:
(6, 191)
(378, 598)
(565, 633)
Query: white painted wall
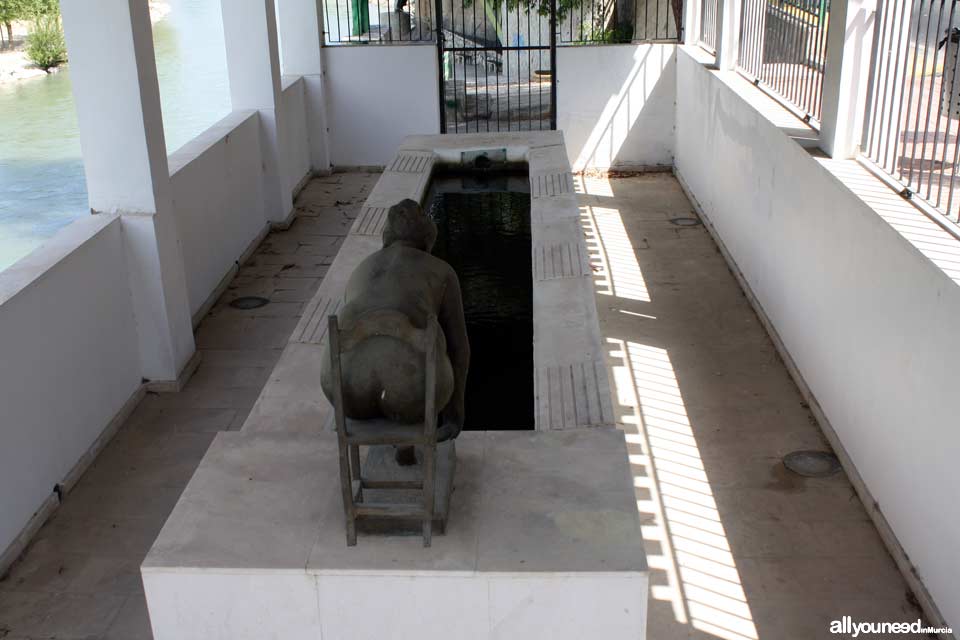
(296, 146)
(70, 360)
(870, 322)
(376, 96)
(616, 105)
(218, 200)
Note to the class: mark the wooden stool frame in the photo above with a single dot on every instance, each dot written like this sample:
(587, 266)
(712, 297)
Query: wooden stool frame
(353, 434)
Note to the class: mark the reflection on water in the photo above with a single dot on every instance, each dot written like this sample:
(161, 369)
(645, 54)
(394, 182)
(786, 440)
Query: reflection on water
(483, 232)
(41, 174)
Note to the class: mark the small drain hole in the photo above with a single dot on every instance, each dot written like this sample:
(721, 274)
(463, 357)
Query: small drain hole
(249, 302)
(812, 464)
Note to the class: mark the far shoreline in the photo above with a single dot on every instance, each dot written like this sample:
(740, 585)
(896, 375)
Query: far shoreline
(16, 67)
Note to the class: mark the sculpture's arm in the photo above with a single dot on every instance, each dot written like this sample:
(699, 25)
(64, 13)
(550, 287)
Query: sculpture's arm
(454, 327)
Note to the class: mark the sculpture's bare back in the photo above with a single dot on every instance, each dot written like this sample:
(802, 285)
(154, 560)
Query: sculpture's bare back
(388, 299)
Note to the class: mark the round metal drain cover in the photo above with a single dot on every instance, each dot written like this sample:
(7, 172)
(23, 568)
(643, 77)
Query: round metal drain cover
(812, 464)
(249, 302)
(685, 222)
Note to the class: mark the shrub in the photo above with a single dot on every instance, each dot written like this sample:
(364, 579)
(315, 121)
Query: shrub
(46, 46)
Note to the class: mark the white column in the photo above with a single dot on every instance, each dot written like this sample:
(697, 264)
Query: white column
(691, 21)
(846, 75)
(728, 34)
(114, 79)
(301, 54)
(253, 65)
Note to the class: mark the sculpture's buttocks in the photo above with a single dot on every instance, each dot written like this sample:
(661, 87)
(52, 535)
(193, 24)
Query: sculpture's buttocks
(388, 300)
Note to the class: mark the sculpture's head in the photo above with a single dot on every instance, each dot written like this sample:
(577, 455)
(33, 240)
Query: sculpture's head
(409, 225)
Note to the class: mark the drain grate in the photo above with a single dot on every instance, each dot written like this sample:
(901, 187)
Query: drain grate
(249, 302)
(685, 222)
(812, 464)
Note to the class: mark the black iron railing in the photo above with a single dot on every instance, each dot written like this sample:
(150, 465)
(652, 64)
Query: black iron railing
(783, 47)
(615, 21)
(913, 106)
(578, 21)
(709, 16)
(378, 21)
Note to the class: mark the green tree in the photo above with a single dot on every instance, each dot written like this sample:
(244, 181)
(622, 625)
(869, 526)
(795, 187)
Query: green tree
(13, 10)
(46, 46)
(10, 10)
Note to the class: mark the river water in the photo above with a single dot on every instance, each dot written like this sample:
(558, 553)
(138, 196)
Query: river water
(42, 186)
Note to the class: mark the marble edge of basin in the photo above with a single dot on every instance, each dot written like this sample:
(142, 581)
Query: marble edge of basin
(571, 385)
(526, 503)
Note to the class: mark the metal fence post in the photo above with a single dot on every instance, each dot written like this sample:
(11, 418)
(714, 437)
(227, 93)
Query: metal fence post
(728, 41)
(846, 75)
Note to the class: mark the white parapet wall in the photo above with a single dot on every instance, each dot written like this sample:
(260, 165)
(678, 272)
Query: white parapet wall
(218, 201)
(616, 105)
(71, 369)
(864, 299)
(376, 95)
(70, 365)
(296, 145)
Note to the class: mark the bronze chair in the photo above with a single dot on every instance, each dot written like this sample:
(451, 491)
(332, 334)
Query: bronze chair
(353, 434)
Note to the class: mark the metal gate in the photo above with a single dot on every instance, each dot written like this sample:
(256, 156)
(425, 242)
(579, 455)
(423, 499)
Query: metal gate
(497, 65)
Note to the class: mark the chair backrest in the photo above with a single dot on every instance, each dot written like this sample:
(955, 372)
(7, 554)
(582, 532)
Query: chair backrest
(429, 347)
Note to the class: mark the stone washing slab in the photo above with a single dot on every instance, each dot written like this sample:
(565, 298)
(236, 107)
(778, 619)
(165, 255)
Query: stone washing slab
(566, 329)
(543, 538)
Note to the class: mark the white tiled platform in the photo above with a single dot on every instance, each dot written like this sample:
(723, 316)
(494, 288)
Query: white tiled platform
(543, 540)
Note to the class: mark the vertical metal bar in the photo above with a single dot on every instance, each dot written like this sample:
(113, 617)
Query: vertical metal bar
(814, 98)
(953, 173)
(896, 78)
(519, 70)
(904, 122)
(530, 72)
(879, 107)
(346, 485)
(339, 29)
(947, 132)
(441, 72)
(809, 50)
(506, 31)
(429, 428)
(929, 103)
(939, 120)
(794, 25)
(553, 64)
(476, 78)
(869, 120)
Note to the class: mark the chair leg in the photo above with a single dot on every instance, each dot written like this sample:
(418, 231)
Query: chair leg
(429, 467)
(355, 470)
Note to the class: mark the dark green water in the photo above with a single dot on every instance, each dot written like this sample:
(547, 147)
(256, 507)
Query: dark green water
(484, 234)
(42, 185)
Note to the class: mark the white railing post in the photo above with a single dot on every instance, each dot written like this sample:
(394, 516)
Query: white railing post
(728, 34)
(253, 65)
(846, 75)
(114, 78)
(301, 53)
(691, 21)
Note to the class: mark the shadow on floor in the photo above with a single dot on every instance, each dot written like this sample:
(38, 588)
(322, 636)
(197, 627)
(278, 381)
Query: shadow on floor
(740, 548)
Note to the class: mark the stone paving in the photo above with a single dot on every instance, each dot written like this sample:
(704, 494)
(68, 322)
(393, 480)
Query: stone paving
(738, 547)
(80, 576)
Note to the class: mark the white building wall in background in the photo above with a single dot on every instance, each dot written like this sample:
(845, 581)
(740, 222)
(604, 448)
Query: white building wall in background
(376, 96)
(616, 105)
